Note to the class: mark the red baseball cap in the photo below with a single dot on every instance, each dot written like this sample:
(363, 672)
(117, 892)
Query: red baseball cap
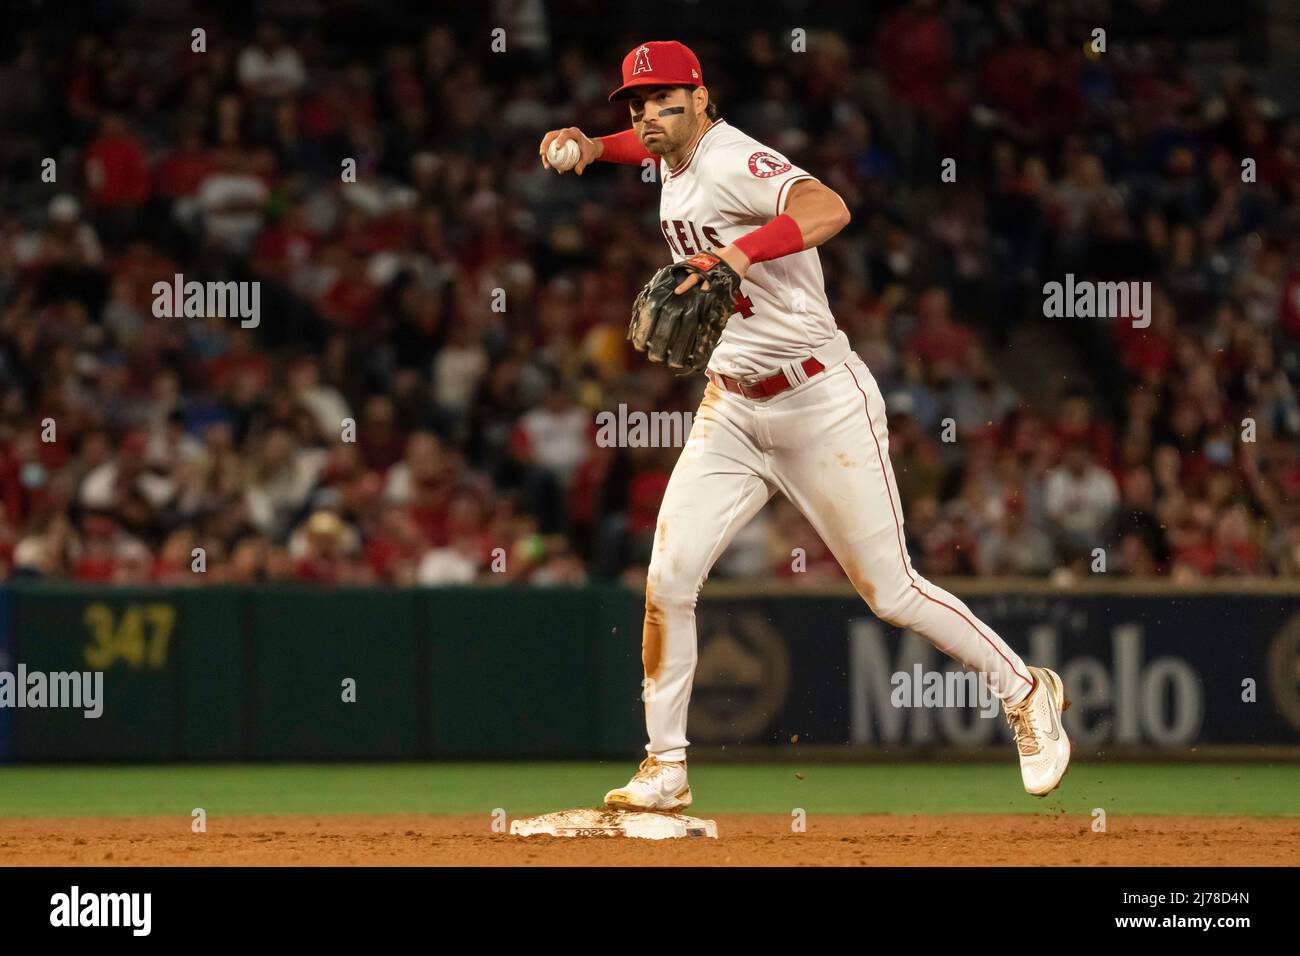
(658, 63)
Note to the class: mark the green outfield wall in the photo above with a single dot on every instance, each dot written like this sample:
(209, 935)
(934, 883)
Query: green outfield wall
(227, 673)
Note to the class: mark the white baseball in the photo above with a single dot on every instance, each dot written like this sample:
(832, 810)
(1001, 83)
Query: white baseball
(564, 158)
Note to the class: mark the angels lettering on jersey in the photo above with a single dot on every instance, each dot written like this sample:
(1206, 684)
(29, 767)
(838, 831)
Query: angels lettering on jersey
(679, 235)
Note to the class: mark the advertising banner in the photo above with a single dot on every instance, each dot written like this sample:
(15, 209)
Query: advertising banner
(1161, 672)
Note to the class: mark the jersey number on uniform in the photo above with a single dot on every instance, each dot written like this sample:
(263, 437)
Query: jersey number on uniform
(744, 305)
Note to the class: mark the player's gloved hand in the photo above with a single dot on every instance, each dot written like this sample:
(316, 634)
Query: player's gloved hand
(589, 149)
(682, 329)
(732, 256)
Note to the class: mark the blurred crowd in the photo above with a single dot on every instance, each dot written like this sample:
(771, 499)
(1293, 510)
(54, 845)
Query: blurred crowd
(416, 402)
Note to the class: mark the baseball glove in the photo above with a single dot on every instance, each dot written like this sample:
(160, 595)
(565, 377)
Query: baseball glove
(683, 330)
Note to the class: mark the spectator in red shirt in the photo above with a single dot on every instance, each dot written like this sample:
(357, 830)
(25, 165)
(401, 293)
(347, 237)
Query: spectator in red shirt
(1235, 551)
(382, 442)
(184, 168)
(285, 246)
(117, 173)
(351, 299)
(1075, 423)
(394, 545)
(323, 547)
(913, 51)
(1193, 552)
(101, 545)
(174, 563)
(1147, 352)
(243, 358)
(1288, 317)
(646, 490)
(938, 340)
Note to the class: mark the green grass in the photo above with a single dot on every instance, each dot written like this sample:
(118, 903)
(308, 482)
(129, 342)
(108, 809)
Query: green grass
(1218, 789)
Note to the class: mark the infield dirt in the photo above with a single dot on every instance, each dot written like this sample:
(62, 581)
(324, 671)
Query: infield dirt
(744, 840)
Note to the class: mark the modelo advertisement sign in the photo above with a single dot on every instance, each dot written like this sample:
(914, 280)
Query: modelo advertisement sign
(1160, 672)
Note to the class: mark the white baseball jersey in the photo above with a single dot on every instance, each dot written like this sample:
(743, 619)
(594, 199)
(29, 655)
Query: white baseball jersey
(823, 443)
(729, 185)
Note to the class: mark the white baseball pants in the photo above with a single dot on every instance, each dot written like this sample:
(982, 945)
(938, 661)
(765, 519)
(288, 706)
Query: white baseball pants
(824, 444)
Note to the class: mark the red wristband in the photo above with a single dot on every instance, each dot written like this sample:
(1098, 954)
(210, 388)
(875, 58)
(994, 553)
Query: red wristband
(624, 147)
(780, 237)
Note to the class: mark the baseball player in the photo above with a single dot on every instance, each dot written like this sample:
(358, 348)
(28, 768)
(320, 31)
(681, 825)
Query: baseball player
(789, 407)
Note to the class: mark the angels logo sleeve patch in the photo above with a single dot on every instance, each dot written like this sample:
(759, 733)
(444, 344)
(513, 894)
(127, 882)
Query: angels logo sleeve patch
(765, 165)
(754, 181)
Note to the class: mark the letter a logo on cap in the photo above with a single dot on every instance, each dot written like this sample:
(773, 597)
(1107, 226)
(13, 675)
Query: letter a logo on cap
(642, 64)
